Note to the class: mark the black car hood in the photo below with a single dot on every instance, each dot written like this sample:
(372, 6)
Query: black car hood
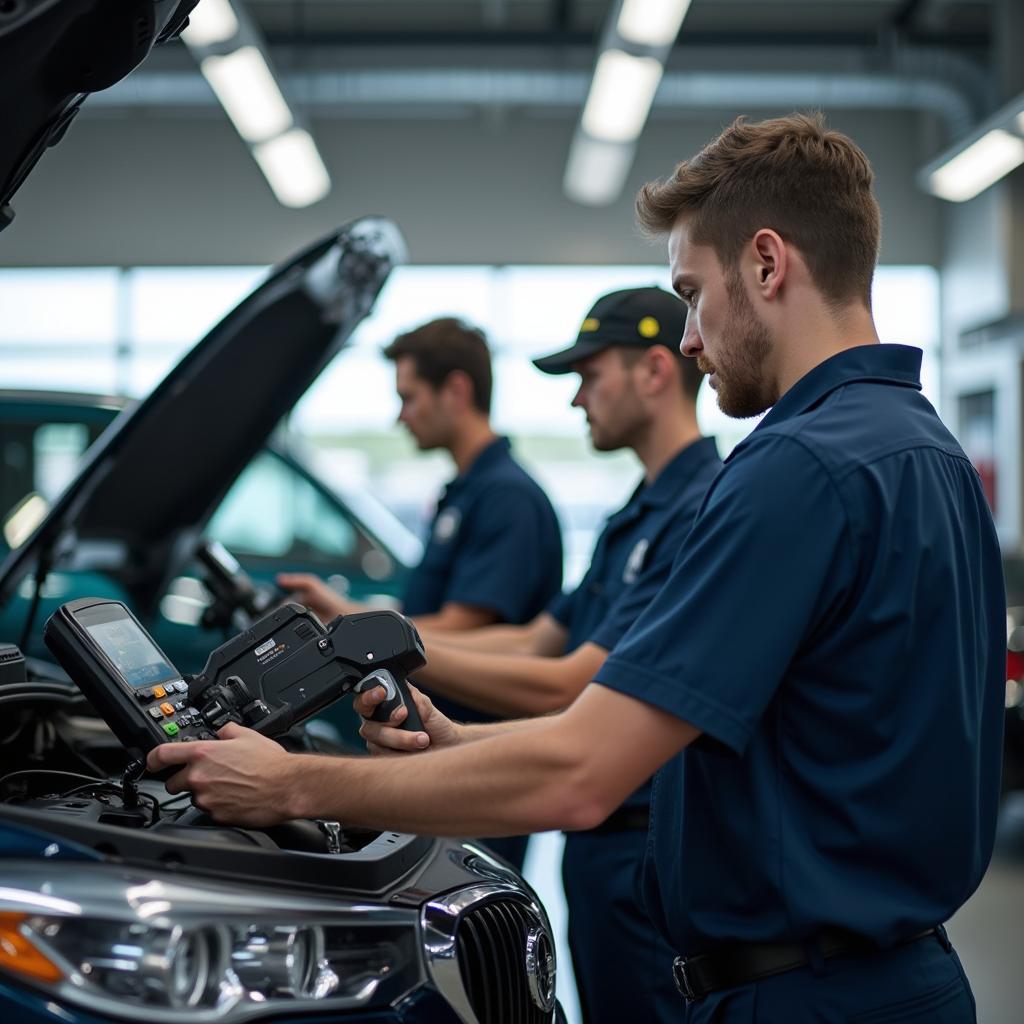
(151, 481)
(53, 53)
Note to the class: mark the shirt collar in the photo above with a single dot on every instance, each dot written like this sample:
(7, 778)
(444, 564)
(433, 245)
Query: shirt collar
(677, 473)
(489, 456)
(880, 364)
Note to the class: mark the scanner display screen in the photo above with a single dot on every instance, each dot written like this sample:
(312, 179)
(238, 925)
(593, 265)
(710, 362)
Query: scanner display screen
(132, 652)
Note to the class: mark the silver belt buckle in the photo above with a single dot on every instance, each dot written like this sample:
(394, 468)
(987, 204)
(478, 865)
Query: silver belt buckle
(682, 979)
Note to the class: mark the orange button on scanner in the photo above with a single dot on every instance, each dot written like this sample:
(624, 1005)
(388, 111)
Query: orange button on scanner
(167, 708)
(159, 691)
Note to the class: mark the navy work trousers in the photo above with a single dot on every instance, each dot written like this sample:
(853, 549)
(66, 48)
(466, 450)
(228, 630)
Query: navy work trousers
(622, 964)
(921, 982)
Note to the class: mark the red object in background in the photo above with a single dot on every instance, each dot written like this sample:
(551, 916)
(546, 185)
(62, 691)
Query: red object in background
(1015, 664)
(987, 471)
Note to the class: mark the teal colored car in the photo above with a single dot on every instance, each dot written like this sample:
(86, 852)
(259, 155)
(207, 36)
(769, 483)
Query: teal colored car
(278, 515)
(106, 498)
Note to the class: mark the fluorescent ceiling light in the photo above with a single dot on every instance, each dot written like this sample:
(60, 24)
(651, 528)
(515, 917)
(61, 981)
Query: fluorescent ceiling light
(620, 96)
(650, 22)
(981, 164)
(596, 170)
(212, 21)
(292, 166)
(248, 91)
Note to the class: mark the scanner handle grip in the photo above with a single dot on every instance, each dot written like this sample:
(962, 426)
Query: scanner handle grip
(396, 694)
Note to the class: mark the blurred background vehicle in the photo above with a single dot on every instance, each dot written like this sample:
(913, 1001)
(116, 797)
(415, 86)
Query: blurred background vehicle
(278, 516)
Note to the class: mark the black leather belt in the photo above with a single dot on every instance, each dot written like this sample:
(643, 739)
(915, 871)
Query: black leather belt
(742, 963)
(624, 819)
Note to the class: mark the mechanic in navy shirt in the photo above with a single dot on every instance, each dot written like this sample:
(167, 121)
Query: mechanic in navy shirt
(638, 392)
(473, 571)
(494, 548)
(822, 675)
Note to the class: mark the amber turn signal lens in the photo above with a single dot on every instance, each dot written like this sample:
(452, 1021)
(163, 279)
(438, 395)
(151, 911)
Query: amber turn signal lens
(19, 956)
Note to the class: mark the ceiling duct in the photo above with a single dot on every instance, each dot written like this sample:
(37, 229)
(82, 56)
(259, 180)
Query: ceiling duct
(348, 93)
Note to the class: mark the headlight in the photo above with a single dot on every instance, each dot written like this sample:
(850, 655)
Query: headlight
(173, 951)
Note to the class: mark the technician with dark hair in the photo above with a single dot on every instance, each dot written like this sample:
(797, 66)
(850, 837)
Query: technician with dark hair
(494, 549)
(820, 681)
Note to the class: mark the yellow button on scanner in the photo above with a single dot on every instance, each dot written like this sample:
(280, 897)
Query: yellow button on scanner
(159, 691)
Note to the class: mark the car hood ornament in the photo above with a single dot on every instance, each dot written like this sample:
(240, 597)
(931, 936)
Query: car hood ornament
(540, 969)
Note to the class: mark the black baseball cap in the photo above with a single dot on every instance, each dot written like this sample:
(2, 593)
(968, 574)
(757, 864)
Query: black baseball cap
(633, 317)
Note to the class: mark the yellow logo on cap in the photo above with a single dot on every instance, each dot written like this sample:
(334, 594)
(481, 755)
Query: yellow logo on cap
(649, 327)
(589, 325)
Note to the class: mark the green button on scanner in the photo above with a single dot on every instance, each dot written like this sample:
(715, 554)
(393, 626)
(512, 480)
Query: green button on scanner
(171, 729)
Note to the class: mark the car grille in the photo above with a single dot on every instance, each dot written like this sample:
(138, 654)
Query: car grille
(495, 940)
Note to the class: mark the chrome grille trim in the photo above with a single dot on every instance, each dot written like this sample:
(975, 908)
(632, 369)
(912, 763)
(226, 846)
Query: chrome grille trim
(482, 931)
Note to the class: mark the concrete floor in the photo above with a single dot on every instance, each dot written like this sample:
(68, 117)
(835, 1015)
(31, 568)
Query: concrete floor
(988, 931)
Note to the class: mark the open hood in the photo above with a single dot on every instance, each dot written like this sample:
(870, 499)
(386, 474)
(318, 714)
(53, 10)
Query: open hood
(53, 54)
(149, 484)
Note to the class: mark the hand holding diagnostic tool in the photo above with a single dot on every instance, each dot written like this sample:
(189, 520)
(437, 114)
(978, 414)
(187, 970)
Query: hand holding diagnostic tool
(281, 671)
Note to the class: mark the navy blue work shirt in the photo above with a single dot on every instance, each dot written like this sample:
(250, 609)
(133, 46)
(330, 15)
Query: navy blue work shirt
(635, 553)
(494, 543)
(835, 626)
(636, 548)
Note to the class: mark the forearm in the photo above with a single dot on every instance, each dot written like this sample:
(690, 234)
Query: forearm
(454, 617)
(543, 636)
(503, 638)
(473, 731)
(506, 684)
(520, 780)
(566, 771)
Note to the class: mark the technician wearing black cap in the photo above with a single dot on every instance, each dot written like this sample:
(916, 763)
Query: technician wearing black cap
(638, 392)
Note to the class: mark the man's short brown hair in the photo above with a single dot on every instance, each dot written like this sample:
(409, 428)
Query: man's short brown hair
(441, 347)
(790, 174)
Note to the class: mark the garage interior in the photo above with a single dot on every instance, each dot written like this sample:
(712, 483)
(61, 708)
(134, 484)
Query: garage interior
(463, 122)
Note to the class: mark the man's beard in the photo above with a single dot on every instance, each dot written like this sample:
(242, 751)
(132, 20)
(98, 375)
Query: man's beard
(741, 387)
(621, 430)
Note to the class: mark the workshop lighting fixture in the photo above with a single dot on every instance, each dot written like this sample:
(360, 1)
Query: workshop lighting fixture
(292, 166)
(650, 22)
(249, 93)
(620, 96)
(596, 170)
(638, 37)
(212, 21)
(232, 57)
(981, 164)
(990, 152)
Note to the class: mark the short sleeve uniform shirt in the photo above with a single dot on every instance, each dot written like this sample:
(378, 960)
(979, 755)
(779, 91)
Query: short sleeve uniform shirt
(635, 552)
(494, 543)
(835, 627)
(636, 549)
